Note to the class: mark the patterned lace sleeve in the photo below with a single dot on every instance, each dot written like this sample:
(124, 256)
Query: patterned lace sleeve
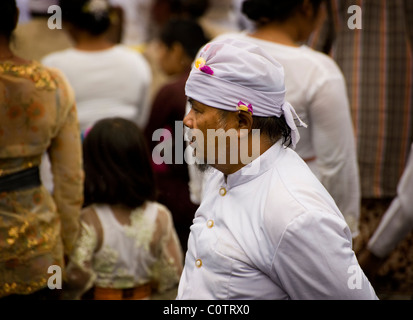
(167, 270)
(80, 275)
(65, 153)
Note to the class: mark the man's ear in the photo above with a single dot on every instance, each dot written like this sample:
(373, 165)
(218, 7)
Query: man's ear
(245, 121)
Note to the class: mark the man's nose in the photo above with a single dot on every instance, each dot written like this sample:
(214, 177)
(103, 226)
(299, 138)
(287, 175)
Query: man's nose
(188, 120)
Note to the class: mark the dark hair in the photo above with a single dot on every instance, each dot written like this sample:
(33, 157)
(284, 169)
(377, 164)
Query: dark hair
(273, 10)
(195, 8)
(273, 128)
(8, 15)
(117, 164)
(76, 13)
(187, 32)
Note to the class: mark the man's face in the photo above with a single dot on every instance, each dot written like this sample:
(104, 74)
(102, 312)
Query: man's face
(209, 139)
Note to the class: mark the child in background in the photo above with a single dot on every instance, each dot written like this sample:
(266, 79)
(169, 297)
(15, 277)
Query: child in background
(128, 244)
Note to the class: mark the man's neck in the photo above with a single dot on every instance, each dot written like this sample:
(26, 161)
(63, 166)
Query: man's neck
(4, 47)
(85, 42)
(264, 145)
(6, 54)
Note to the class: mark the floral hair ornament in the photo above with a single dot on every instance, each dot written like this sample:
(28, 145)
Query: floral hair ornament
(200, 65)
(243, 107)
(97, 8)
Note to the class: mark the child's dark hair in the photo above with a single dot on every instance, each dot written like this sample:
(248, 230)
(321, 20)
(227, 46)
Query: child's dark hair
(273, 10)
(8, 15)
(85, 16)
(185, 31)
(117, 164)
(195, 8)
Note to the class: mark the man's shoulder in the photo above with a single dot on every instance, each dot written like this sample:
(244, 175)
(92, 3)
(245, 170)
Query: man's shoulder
(294, 191)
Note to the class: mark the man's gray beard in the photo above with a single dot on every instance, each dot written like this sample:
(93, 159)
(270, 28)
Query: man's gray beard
(204, 167)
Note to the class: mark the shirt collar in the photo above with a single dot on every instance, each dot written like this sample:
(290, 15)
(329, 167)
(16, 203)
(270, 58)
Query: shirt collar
(256, 168)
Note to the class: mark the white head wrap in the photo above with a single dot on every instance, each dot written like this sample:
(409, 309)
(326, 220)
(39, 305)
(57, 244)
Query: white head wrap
(231, 71)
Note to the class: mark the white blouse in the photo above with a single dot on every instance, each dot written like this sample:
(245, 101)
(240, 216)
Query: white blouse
(145, 251)
(270, 231)
(108, 83)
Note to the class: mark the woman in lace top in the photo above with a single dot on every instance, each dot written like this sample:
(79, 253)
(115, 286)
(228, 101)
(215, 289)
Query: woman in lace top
(37, 115)
(128, 245)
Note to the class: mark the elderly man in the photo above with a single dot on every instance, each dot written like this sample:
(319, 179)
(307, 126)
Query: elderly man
(266, 228)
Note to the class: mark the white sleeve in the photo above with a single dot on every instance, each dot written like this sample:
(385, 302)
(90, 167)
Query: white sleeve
(335, 148)
(397, 222)
(314, 260)
(145, 73)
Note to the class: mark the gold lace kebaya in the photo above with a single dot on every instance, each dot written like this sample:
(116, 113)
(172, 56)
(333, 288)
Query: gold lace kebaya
(37, 115)
(33, 71)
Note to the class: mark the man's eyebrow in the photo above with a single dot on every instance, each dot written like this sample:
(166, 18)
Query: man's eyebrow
(191, 101)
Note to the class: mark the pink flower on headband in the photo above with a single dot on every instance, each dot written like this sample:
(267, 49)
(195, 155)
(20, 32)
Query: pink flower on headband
(200, 65)
(207, 70)
(243, 107)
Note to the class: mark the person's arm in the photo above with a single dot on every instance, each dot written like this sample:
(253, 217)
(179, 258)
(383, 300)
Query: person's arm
(80, 274)
(333, 139)
(168, 268)
(314, 260)
(394, 226)
(66, 166)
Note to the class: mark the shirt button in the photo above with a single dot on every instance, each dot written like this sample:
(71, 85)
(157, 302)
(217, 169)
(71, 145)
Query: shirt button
(222, 191)
(210, 224)
(198, 263)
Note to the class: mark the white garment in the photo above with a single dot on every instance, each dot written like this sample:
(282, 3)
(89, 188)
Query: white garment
(137, 18)
(397, 222)
(317, 91)
(219, 18)
(130, 247)
(24, 10)
(146, 250)
(133, 259)
(273, 235)
(107, 83)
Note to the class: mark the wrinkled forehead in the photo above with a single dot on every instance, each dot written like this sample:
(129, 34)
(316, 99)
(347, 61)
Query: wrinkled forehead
(199, 106)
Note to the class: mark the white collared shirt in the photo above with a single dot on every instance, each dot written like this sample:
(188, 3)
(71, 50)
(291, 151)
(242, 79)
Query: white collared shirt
(273, 234)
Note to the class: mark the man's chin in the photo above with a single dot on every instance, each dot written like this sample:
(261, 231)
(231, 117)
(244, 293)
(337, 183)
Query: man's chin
(203, 167)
